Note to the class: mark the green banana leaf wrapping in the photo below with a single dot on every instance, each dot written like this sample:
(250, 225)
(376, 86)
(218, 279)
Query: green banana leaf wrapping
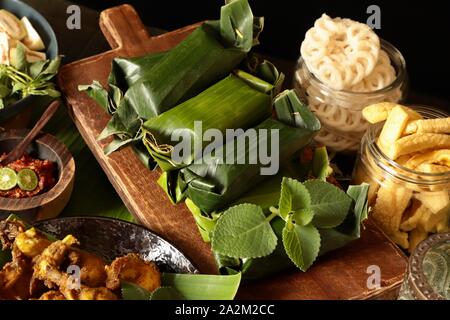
(213, 185)
(144, 87)
(237, 102)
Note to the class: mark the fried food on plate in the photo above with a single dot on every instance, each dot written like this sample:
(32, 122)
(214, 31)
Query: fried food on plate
(42, 269)
(132, 268)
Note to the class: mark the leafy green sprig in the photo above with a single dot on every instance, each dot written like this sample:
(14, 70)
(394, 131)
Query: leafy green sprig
(21, 79)
(245, 232)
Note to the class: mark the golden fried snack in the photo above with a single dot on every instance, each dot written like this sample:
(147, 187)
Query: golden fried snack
(87, 293)
(9, 231)
(48, 263)
(419, 142)
(52, 295)
(31, 242)
(440, 125)
(380, 111)
(392, 201)
(438, 157)
(92, 267)
(133, 269)
(15, 277)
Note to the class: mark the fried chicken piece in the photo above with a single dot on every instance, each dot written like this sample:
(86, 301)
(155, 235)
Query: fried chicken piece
(32, 242)
(48, 263)
(87, 293)
(133, 269)
(92, 267)
(15, 277)
(52, 295)
(9, 231)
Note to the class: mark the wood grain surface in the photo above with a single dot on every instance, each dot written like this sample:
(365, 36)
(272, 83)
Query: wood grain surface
(341, 274)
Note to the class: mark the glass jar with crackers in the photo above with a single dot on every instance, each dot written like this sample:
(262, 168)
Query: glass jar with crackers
(405, 157)
(344, 67)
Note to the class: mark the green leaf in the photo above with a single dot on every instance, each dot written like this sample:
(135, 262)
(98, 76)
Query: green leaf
(302, 244)
(52, 67)
(19, 60)
(303, 216)
(320, 164)
(96, 92)
(4, 91)
(202, 286)
(329, 203)
(243, 231)
(294, 196)
(359, 194)
(131, 291)
(166, 293)
(36, 68)
(205, 224)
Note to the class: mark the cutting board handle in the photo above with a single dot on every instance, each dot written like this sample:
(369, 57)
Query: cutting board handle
(123, 27)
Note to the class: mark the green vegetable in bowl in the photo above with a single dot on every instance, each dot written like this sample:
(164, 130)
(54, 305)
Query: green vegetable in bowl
(22, 78)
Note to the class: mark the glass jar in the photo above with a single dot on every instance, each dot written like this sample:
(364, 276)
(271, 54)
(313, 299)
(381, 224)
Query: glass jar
(397, 192)
(427, 277)
(340, 112)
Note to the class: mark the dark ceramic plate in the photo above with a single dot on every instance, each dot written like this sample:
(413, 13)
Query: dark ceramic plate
(47, 34)
(111, 238)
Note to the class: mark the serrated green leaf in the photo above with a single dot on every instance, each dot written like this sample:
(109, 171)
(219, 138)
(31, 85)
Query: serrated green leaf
(303, 216)
(244, 232)
(329, 203)
(294, 196)
(202, 286)
(131, 291)
(166, 293)
(302, 244)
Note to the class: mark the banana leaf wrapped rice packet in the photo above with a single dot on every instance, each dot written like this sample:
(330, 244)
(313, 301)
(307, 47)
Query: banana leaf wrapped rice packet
(175, 138)
(142, 88)
(215, 183)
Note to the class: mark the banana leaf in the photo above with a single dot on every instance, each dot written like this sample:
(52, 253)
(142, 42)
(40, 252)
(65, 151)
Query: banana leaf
(142, 88)
(237, 102)
(214, 184)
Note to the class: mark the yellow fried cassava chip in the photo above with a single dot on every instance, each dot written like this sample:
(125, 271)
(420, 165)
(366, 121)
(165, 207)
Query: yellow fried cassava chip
(429, 221)
(418, 142)
(412, 216)
(432, 168)
(392, 201)
(434, 201)
(380, 111)
(393, 129)
(437, 157)
(440, 125)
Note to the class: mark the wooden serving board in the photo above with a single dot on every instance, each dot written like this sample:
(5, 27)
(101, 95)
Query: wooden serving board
(339, 275)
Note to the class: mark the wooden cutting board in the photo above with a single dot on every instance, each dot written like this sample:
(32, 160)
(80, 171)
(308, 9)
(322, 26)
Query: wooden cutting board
(339, 275)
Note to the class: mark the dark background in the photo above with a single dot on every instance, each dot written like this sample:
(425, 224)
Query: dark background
(420, 30)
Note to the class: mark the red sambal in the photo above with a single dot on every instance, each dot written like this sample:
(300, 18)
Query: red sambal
(44, 169)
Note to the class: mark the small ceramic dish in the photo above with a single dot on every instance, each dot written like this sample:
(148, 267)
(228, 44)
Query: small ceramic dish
(21, 9)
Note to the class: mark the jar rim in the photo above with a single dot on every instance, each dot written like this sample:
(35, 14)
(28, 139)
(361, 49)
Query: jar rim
(372, 134)
(395, 56)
